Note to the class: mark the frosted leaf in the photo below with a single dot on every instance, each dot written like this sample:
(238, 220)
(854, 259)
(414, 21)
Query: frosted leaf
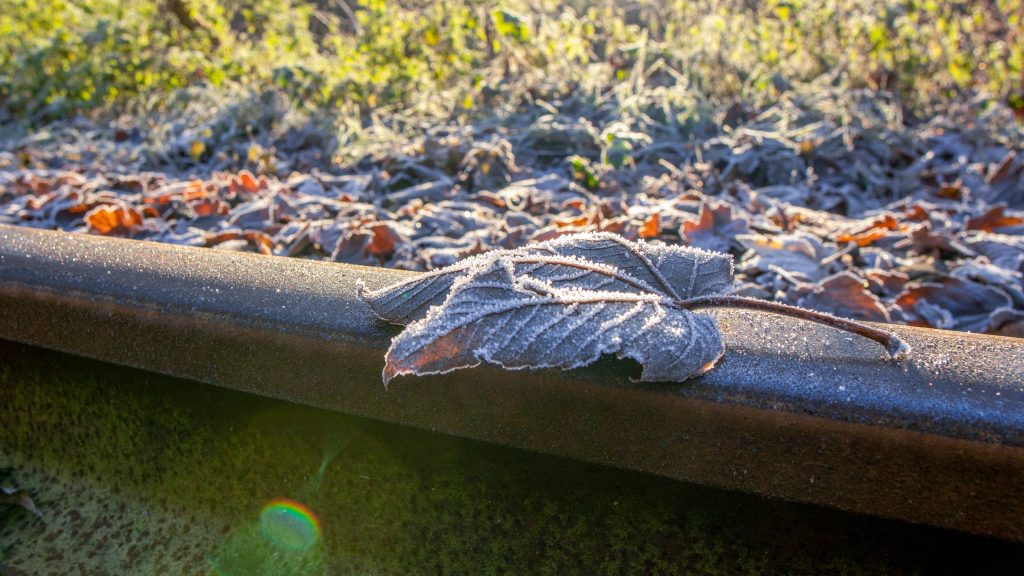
(565, 302)
(598, 261)
(497, 317)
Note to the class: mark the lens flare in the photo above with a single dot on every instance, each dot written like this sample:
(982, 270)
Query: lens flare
(289, 525)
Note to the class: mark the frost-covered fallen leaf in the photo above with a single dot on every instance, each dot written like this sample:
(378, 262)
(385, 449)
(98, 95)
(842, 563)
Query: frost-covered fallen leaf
(565, 302)
(518, 322)
(953, 304)
(845, 293)
(598, 261)
(715, 229)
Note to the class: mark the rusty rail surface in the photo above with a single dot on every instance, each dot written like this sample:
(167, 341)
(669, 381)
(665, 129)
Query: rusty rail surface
(794, 411)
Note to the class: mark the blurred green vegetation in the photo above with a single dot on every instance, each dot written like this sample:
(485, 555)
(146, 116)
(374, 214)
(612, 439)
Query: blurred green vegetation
(61, 57)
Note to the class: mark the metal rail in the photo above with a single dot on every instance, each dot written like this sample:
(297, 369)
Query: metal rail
(794, 411)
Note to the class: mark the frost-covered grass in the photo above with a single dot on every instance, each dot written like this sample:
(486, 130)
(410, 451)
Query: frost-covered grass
(437, 59)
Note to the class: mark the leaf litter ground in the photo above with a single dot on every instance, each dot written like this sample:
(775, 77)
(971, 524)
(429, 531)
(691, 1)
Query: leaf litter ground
(831, 201)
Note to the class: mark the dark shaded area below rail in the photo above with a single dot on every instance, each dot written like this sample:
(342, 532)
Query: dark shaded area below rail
(794, 411)
(138, 473)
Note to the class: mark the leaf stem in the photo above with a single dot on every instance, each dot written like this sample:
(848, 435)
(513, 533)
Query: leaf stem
(897, 348)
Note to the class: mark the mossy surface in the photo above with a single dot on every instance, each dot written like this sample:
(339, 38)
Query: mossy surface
(137, 473)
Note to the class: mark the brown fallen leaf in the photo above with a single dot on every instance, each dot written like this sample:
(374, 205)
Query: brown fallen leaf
(845, 295)
(800, 255)
(886, 283)
(925, 239)
(863, 239)
(951, 190)
(370, 244)
(952, 304)
(993, 220)
(1004, 181)
(385, 239)
(622, 225)
(353, 248)
(263, 242)
(917, 213)
(715, 229)
(210, 207)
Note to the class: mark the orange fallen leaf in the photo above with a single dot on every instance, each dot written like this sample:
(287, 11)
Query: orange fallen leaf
(575, 222)
(263, 242)
(491, 198)
(994, 218)
(113, 219)
(220, 237)
(210, 207)
(715, 229)
(79, 208)
(651, 227)
(574, 203)
(863, 239)
(247, 182)
(916, 213)
(191, 190)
